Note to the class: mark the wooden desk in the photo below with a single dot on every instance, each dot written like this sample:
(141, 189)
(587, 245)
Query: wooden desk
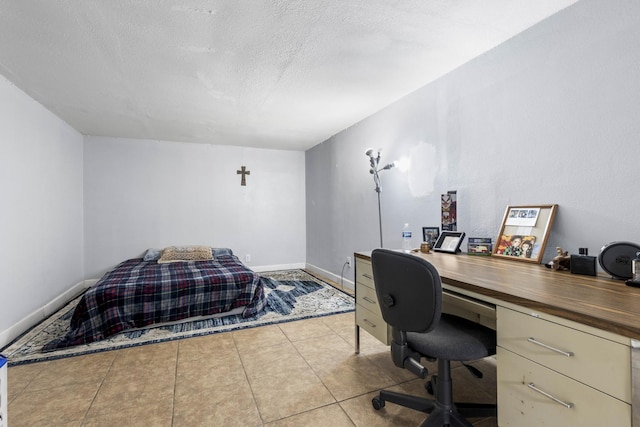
(591, 323)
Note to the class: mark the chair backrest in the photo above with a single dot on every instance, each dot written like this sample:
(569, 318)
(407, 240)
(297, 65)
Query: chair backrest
(409, 290)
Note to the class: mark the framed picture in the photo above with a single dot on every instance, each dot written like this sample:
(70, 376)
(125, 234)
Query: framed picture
(524, 232)
(430, 235)
(449, 241)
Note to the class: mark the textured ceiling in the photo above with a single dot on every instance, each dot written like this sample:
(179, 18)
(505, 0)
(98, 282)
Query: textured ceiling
(284, 74)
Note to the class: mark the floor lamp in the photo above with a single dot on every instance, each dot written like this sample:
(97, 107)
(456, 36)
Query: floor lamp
(374, 159)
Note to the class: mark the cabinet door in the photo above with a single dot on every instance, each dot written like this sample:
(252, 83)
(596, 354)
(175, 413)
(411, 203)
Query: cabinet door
(372, 323)
(364, 273)
(522, 401)
(366, 297)
(593, 360)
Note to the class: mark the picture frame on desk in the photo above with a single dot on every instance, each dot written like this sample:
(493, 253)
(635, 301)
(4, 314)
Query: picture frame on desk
(430, 235)
(524, 232)
(449, 241)
(480, 246)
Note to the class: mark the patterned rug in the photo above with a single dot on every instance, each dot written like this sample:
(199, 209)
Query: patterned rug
(291, 295)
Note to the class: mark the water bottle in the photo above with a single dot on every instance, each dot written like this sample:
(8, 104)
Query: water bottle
(406, 238)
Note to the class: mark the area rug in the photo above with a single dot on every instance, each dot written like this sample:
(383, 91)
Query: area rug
(291, 295)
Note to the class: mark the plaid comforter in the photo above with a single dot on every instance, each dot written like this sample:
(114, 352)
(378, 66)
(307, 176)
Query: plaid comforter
(138, 293)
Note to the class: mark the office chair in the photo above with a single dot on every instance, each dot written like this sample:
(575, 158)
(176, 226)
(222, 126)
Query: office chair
(409, 291)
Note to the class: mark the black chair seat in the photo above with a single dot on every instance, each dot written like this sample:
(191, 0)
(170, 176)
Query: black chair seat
(454, 338)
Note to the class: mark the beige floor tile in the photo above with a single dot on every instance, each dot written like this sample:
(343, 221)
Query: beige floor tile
(289, 393)
(353, 377)
(229, 405)
(341, 323)
(272, 360)
(149, 414)
(145, 359)
(63, 405)
(305, 329)
(360, 410)
(368, 343)
(73, 370)
(206, 347)
(139, 388)
(19, 377)
(206, 375)
(161, 375)
(256, 338)
(160, 354)
(321, 417)
(383, 362)
(325, 352)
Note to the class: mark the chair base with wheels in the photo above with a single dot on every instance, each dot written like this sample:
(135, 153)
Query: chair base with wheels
(442, 411)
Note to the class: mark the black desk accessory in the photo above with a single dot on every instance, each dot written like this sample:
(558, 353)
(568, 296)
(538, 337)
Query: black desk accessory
(615, 258)
(583, 263)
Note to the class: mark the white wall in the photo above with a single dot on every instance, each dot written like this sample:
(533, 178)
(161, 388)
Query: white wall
(145, 193)
(551, 116)
(41, 224)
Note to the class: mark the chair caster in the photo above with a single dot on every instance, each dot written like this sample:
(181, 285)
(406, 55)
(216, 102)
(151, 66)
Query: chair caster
(377, 403)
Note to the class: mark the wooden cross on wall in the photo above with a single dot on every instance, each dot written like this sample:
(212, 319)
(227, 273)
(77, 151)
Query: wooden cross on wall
(244, 172)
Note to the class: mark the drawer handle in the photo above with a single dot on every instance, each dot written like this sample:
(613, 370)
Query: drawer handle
(368, 276)
(368, 322)
(369, 300)
(564, 353)
(533, 387)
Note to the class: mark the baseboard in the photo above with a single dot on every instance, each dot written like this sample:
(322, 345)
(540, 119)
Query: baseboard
(38, 315)
(262, 269)
(329, 275)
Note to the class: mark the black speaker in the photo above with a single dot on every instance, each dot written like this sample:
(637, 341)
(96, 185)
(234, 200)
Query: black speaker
(615, 258)
(583, 264)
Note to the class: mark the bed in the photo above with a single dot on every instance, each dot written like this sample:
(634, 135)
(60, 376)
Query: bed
(143, 291)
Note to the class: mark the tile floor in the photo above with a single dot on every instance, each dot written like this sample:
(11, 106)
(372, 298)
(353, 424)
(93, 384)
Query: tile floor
(302, 373)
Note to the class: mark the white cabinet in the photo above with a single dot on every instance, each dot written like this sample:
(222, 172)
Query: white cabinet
(552, 371)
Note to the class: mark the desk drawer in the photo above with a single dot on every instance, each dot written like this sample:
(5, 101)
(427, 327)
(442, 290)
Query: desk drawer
(364, 273)
(595, 361)
(372, 323)
(519, 405)
(367, 298)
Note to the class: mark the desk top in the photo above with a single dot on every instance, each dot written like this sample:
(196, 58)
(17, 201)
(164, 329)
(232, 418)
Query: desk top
(598, 301)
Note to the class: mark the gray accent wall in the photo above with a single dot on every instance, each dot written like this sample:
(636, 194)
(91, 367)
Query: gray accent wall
(551, 116)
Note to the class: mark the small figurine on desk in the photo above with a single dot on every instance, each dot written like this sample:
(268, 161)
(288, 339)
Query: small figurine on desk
(560, 262)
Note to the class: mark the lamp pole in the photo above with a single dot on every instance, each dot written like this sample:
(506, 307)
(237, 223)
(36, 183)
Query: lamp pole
(379, 216)
(374, 159)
